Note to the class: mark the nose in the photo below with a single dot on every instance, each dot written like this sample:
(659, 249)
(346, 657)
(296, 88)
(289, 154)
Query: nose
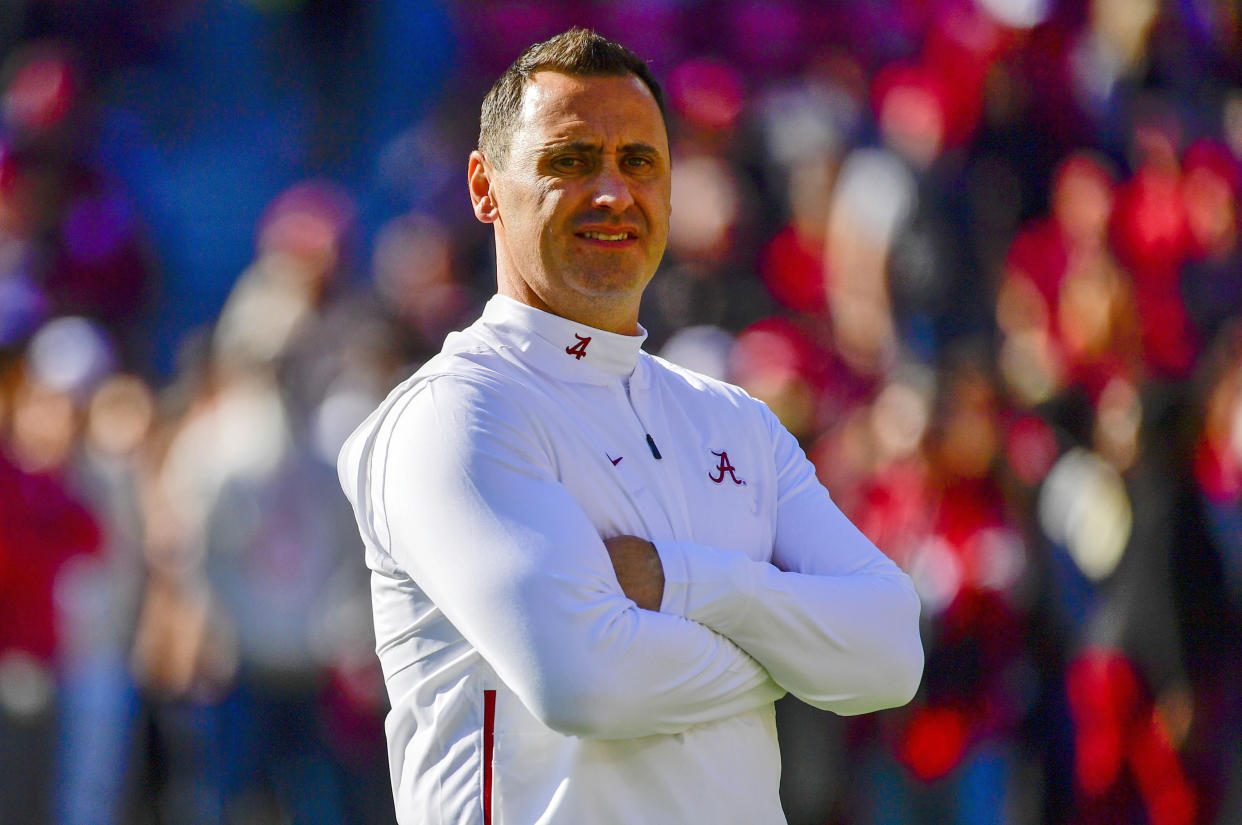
(612, 189)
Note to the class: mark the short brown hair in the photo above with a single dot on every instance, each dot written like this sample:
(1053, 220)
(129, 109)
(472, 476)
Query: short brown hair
(579, 52)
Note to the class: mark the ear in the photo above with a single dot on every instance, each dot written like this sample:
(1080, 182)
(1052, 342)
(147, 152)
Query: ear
(479, 176)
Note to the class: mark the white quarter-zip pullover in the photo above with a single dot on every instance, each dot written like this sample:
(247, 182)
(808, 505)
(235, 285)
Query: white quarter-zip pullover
(526, 688)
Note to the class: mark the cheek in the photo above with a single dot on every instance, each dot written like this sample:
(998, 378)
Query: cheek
(553, 204)
(553, 214)
(523, 197)
(658, 209)
(658, 201)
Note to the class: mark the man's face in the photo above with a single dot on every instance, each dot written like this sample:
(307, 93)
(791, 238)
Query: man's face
(583, 195)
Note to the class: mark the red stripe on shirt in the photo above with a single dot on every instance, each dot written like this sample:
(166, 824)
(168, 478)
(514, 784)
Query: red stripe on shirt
(489, 727)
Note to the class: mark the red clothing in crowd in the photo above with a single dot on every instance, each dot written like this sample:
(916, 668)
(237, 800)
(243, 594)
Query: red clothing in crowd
(41, 526)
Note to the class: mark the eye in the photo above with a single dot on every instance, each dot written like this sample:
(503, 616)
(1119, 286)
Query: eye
(568, 163)
(638, 162)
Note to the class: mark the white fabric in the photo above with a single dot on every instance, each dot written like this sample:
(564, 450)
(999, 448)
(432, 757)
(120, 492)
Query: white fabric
(483, 486)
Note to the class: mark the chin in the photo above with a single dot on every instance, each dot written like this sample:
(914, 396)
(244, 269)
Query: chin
(610, 287)
(609, 279)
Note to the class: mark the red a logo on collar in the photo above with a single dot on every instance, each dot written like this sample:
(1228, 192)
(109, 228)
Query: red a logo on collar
(579, 349)
(724, 467)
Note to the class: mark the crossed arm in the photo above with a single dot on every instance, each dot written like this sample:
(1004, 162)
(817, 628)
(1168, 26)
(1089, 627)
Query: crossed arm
(494, 540)
(831, 619)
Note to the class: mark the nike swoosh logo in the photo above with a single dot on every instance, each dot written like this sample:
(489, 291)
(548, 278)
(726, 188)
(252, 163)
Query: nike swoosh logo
(615, 461)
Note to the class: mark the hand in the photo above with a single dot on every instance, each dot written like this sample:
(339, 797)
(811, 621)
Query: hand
(638, 568)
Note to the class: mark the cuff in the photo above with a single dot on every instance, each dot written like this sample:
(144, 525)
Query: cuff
(676, 578)
(705, 584)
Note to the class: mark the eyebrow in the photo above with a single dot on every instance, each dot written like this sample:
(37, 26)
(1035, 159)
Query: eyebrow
(587, 147)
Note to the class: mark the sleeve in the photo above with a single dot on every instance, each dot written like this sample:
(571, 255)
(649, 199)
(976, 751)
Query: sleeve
(476, 517)
(832, 619)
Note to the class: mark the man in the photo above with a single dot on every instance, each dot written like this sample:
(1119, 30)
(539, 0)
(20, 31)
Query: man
(593, 572)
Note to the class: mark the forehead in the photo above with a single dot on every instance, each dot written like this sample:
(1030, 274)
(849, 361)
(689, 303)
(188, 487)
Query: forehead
(560, 106)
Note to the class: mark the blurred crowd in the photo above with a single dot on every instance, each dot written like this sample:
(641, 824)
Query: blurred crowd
(981, 256)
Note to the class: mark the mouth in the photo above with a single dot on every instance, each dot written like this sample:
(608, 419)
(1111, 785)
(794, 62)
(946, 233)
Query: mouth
(614, 238)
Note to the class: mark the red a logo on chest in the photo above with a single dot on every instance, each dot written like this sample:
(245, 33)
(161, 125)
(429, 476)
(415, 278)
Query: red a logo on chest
(579, 349)
(724, 466)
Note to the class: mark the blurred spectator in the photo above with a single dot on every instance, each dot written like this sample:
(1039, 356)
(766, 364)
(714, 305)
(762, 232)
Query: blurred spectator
(1106, 513)
(941, 513)
(1211, 278)
(416, 277)
(261, 530)
(97, 601)
(1153, 239)
(65, 223)
(301, 250)
(274, 547)
(1124, 762)
(1209, 584)
(1065, 309)
(43, 527)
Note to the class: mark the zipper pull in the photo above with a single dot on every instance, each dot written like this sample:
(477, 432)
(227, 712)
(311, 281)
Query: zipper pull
(655, 451)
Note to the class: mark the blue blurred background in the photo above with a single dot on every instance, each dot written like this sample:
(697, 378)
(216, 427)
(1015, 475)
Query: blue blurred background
(981, 256)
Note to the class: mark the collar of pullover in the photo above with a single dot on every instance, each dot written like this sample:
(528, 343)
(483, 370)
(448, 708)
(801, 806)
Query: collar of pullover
(561, 347)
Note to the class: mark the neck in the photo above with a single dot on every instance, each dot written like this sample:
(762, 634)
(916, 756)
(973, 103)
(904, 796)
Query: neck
(610, 315)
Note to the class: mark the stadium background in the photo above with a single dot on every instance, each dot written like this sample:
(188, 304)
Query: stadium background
(981, 256)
